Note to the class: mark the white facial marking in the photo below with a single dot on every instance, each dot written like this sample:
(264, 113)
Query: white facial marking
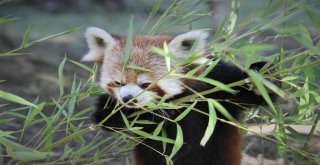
(171, 86)
(140, 95)
(130, 89)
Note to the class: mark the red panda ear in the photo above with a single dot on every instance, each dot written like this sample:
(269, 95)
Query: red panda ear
(99, 42)
(182, 44)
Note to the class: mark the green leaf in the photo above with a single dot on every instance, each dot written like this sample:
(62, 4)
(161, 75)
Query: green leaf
(155, 8)
(165, 54)
(82, 66)
(208, 70)
(255, 48)
(314, 17)
(73, 99)
(53, 36)
(305, 37)
(61, 76)
(289, 78)
(269, 84)
(178, 142)
(296, 135)
(13, 54)
(164, 144)
(125, 120)
(27, 155)
(19, 152)
(257, 81)
(66, 139)
(222, 110)
(25, 40)
(6, 19)
(212, 82)
(48, 135)
(32, 113)
(157, 131)
(144, 122)
(186, 112)
(16, 99)
(128, 48)
(7, 134)
(211, 124)
(149, 136)
(2, 121)
(60, 108)
(196, 69)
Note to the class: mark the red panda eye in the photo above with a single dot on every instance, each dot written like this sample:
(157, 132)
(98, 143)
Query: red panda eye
(119, 83)
(145, 85)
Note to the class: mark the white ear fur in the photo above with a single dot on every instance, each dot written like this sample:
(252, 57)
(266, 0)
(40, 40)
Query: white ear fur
(176, 46)
(98, 41)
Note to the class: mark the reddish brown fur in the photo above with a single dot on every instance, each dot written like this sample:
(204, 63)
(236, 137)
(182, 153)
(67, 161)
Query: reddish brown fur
(158, 90)
(232, 150)
(142, 55)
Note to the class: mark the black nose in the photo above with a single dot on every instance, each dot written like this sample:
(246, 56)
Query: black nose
(127, 98)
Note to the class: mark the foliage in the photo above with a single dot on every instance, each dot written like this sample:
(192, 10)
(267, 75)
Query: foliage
(266, 31)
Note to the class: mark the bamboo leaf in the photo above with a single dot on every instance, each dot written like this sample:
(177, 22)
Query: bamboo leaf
(196, 69)
(305, 37)
(270, 85)
(157, 131)
(61, 76)
(178, 142)
(20, 152)
(211, 123)
(125, 120)
(210, 81)
(257, 81)
(208, 70)
(26, 38)
(150, 136)
(186, 112)
(314, 17)
(32, 113)
(154, 10)
(82, 66)
(7, 19)
(53, 36)
(128, 48)
(27, 155)
(16, 99)
(7, 134)
(222, 110)
(73, 97)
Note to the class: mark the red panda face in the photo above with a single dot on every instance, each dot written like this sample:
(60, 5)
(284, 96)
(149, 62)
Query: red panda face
(130, 85)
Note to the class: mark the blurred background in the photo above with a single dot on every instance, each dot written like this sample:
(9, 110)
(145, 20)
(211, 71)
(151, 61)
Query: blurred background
(34, 76)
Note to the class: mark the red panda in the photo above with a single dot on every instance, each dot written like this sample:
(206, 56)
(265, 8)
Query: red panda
(135, 88)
